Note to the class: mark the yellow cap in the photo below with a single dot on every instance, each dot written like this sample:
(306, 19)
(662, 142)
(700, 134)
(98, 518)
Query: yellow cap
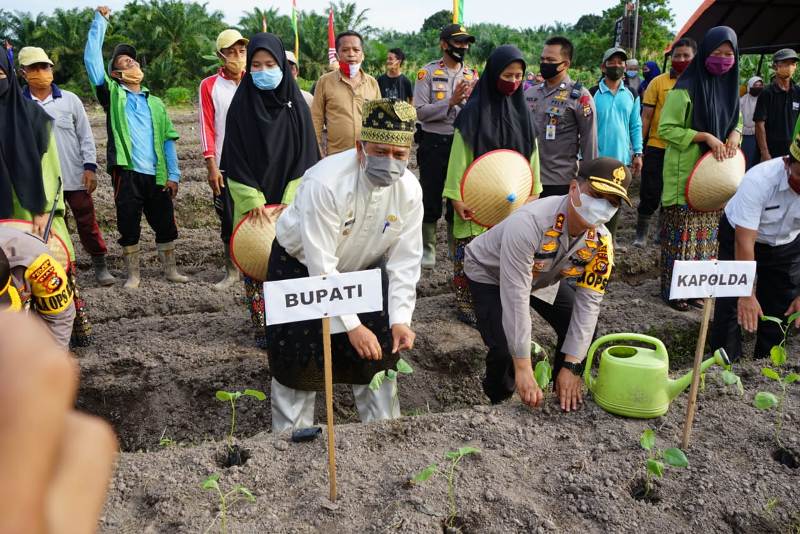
(228, 38)
(31, 55)
(794, 148)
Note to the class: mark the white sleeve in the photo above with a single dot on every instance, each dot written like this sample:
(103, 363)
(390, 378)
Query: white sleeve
(745, 208)
(84, 131)
(404, 259)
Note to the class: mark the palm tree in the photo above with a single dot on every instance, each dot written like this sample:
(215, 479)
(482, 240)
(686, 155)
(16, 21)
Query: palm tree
(347, 17)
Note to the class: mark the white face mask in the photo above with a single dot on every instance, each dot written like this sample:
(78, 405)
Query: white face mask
(595, 211)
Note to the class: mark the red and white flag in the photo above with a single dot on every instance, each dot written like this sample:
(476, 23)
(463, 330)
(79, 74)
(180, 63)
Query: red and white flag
(331, 39)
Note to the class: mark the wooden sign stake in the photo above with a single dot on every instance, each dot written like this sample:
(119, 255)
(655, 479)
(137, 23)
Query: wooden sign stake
(698, 358)
(326, 343)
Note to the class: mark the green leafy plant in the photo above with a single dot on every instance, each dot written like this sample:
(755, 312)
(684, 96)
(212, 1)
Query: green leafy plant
(232, 397)
(403, 368)
(654, 466)
(226, 500)
(454, 458)
(166, 441)
(542, 371)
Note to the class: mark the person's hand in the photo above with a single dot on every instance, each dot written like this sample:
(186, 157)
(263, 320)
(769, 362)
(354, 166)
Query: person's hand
(104, 10)
(262, 215)
(732, 145)
(569, 389)
(459, 93)
(215, 180)
(463, 211)
(366, 344)
(636, 166)
(749, 312)
(531, 198)
(528, 390)
(56, 462)
(716, 146)
(40, 223)
(172, 187)
(794, 307)
(89, 180)
(402, 338)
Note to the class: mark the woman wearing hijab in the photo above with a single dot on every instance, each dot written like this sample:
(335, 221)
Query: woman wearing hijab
(269, 142)
(30, 177)
(701, 114)
(495, 117)
(649, 72)
(747, 104)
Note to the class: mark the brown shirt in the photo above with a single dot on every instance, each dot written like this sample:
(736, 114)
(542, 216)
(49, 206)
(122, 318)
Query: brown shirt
(338, 106)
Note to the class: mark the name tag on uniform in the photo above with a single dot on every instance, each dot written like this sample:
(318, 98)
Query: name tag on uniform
(550, 132)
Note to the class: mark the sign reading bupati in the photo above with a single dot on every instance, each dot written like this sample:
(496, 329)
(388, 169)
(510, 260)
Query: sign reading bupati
(711, 279)
(315, 297)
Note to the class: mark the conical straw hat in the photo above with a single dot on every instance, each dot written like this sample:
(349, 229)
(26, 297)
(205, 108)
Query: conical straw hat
(495, 185)
(55, 245)
(251, 244)
(712, 183)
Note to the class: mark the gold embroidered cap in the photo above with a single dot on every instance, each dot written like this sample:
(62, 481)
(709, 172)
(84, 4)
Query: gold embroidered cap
(388, 121)
(794, 148)
(607, 175)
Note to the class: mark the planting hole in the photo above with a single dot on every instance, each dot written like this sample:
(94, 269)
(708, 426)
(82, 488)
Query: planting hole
(234, 456)
(786, 457)
(622, 352)
(459, 526)
(639, 492)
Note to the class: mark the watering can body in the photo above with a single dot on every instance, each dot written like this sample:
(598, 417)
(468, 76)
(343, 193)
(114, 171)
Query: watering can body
(634, 381)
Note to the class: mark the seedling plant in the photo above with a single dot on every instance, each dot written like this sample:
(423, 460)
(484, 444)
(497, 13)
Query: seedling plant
(454, 458)
(654, 466)
(403, 368)
(232, 397)
(764, 400)
(226, 500)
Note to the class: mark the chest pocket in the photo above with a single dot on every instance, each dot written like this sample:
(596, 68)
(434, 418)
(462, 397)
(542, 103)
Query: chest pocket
(772, 214)
(390, 228)
(65, 121)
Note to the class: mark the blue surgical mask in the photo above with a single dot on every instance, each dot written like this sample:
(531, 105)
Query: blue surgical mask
(631, 73)
(267, 79)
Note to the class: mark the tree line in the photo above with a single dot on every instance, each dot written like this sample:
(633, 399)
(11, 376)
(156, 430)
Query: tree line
(175, 39)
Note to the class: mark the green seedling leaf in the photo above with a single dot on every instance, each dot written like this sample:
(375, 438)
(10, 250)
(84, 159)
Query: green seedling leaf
(675, 457)
(793, 317)
(224, 396)
(772, 319)
(377, 381)
(543, 373)
(424, 475)
(778, 355)
(771, 373)
(463, 451)
(391, 374)
(648, 440)
(246, 492)
(791, 378)
(655, 468)
(255, 394)
(729, 378)
(211, 482)
(764, 400)
(536, 349)
(403, 367)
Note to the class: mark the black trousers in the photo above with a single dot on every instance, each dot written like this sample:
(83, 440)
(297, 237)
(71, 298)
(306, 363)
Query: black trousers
(223, 205)
(433, 155)
(554, 190)
(498, 384)
(778, 283)
(652, 181)
(135, 193)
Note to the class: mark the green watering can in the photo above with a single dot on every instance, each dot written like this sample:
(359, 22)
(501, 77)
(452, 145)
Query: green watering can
(634, 381)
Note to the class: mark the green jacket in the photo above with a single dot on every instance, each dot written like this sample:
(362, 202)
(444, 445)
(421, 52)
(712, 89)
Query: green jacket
(461, 157)
(245, 198)
(682, 153)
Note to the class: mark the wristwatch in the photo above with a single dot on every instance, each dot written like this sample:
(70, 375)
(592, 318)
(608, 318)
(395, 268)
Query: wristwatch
(637, 155)
(575, 368)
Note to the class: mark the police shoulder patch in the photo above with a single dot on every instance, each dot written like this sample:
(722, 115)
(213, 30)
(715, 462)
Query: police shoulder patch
(50, 289)
(598, 270)
(421, 74)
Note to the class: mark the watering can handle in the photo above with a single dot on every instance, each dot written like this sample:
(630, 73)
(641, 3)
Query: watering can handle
(608, 338)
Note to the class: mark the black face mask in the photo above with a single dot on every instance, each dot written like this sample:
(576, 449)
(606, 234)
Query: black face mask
(615, 73)
(549, 70)
(456, 53)
(755, 91)
(3, 86)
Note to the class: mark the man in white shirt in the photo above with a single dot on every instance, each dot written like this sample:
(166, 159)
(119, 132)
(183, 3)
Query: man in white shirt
(355, 210)
(762, 223)
(76, 152)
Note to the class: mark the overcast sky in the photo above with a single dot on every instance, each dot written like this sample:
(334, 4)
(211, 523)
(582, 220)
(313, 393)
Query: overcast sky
(406, 15)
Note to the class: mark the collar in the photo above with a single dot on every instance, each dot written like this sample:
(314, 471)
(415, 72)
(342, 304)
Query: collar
(55, 92)
(222, 74)
(605, 89)
(563, 85)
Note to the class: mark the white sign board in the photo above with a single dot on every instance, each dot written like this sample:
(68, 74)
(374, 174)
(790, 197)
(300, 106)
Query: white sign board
(315, 297)
(711, 279)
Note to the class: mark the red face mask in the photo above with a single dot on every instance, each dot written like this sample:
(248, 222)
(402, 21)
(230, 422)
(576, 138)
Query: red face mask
(680, 66)
(349, 71)
(507, 88)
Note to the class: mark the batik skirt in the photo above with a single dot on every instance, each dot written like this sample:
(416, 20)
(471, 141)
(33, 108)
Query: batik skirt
(465, 311)
(81, 327)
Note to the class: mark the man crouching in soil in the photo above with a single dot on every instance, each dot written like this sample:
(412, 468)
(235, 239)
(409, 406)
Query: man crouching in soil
(520, 264)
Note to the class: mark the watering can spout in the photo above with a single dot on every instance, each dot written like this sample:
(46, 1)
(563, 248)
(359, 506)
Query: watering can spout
(675, 387)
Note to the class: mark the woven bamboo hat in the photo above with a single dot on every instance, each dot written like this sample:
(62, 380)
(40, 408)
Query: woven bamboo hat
(712, 183)
(251, 244)
(496, 184)
(55, 245)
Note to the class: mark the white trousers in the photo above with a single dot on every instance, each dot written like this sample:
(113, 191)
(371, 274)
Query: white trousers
(294, 408)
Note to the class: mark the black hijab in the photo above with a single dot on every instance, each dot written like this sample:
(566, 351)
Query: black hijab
(490, 120)
(715, 99)
(269, 136)
(24, 138)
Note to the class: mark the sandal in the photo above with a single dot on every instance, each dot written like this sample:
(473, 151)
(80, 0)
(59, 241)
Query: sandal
(697, 303)
(680, 305)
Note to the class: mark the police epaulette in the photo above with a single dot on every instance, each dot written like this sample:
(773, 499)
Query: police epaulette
(576, 91)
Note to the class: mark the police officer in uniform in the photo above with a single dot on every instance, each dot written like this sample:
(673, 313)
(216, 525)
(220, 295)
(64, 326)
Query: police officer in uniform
(762, 223)
(520, 264)
(564, 116)
(442, 88)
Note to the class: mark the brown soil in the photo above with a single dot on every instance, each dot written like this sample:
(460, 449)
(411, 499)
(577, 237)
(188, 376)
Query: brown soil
(162, 352)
